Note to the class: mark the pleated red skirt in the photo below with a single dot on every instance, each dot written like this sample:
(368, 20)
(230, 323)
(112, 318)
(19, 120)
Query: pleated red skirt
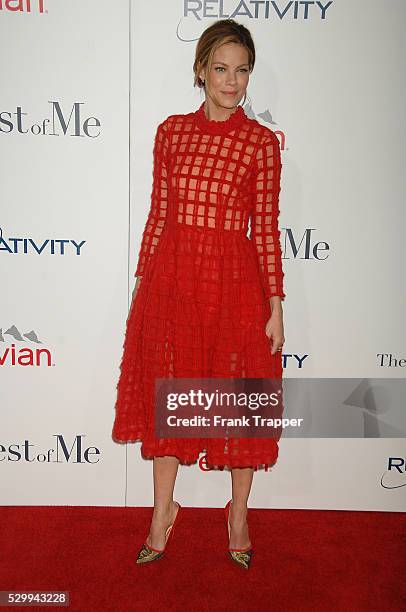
(199, 312)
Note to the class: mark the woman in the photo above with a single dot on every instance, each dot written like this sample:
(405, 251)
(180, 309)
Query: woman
(209, 303)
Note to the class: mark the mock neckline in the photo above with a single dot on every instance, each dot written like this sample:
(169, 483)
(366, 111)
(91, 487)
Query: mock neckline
(219, 127)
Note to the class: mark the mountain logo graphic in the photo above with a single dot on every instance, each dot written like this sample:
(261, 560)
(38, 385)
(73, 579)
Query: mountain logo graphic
(33, 352)
(15, 333)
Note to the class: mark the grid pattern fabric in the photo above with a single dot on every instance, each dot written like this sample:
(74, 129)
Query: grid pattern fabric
(201, 308)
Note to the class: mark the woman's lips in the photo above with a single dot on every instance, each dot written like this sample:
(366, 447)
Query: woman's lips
(229, 93)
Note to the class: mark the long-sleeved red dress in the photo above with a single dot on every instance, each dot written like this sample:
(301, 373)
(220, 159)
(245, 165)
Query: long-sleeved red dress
(203, 302)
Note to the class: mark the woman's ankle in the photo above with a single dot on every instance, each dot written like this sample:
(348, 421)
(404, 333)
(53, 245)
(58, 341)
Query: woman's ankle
(162, 511)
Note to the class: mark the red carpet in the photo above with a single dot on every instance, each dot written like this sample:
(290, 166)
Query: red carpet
(305, 560)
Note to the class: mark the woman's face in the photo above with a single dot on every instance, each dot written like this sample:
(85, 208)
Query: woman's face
(229, 74)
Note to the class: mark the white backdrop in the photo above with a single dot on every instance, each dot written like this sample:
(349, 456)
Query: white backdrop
(63, 187)
(332, 89)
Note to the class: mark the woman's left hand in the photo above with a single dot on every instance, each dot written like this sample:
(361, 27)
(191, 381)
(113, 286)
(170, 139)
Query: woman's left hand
(274, 329)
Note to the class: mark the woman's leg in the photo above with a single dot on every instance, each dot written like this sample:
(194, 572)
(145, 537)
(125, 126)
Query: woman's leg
(165, 471)
(241, 487)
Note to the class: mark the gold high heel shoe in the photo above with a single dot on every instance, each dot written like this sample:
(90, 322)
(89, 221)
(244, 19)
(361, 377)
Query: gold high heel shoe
(242, 556)
(148, 553)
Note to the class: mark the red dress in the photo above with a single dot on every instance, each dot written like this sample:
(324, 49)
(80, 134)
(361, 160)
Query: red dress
(203, 302)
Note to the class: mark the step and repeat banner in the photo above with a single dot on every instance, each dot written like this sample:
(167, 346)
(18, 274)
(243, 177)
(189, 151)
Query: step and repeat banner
(64, 125)
(85, 85)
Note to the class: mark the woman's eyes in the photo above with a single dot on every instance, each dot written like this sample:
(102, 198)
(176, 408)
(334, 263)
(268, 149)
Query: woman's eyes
(222, 68)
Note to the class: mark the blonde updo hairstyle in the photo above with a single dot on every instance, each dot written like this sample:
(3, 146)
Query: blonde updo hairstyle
(219, 33)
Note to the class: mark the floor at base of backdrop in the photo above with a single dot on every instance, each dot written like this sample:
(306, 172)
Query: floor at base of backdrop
(304, 560)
